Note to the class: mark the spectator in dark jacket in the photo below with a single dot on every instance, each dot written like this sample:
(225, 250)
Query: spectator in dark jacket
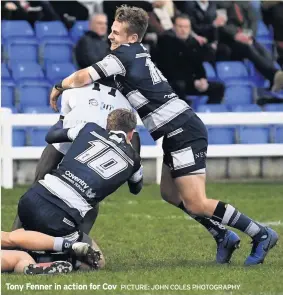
(272, 12)
(179, 57)
(238, 34)
(93, 46)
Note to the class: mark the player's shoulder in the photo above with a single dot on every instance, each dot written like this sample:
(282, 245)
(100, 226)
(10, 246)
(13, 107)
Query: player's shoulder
(128, 51)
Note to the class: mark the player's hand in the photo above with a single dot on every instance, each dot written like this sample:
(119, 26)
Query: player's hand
(54, 95)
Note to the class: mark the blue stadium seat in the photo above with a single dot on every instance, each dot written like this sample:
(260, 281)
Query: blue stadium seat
(16, 28)
(212, 108)
(56, 50)
(37, 136)
(50, 29)
(274, 107)
(78, 30)
(57, 71)
(21, 49)
(5, 72)
(210, 72)
(37, 110)
(246, 108)
(237, 94)
(145, 137)
(219, 135)
(263, 31)
(253, 135)
(278, 134)
(19, 136)
(7, 96)
(33, 95)
(231, 69)
(26, 70)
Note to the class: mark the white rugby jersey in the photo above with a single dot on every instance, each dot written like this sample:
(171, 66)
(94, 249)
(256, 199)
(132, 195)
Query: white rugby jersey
(91, 103)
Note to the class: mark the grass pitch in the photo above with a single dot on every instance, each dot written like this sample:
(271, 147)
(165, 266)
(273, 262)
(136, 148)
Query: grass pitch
(150, 243)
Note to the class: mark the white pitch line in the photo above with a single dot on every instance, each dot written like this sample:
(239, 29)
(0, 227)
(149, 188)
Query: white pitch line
(186, 217)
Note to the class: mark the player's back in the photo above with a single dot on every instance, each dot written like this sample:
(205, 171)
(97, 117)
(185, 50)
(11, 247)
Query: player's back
(146, 88)
(96, 165)
(91, 103)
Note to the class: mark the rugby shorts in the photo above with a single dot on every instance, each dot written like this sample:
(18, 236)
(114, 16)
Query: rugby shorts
(185, 148)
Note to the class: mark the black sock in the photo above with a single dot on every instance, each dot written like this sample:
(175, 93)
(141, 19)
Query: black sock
(216, 229)
(227, 214)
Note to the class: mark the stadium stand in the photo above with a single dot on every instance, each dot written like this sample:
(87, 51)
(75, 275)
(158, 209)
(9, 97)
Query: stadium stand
(35, 59)
(79, 28)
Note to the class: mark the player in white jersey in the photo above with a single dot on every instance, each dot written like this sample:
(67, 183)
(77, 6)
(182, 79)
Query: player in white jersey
(91, 103)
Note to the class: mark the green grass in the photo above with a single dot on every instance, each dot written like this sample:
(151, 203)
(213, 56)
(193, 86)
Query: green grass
(147, 241)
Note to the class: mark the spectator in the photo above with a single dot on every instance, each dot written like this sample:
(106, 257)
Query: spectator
(179, 57)
(237, 34)
(272, 12)
(93, 46)
(21, 10)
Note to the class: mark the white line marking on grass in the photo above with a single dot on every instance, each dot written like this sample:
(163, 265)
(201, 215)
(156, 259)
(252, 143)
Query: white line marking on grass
(186, 217)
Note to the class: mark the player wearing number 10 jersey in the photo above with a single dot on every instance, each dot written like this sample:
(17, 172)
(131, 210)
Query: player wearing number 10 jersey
(97, 163)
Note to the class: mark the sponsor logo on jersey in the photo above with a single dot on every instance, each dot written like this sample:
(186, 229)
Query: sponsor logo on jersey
(200, 155)
(171, 95)
(93, 102)
(90, 194)
(107, 107)
(75, 180)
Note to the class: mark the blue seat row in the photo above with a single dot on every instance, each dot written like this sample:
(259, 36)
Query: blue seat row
(43, 29)
(216, 135)
(46, 51)
(216, 108)
(21, 71)
(245, 135)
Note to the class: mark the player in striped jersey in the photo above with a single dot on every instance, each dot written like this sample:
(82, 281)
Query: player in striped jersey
(184, 135)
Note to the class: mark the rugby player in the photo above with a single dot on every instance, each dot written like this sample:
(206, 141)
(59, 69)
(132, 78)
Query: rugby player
(22, 262)
(91, 103)
(184, 134)
(97, 163)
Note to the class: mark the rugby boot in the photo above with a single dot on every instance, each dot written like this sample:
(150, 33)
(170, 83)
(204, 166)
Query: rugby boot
(227, 246)
(261, 247)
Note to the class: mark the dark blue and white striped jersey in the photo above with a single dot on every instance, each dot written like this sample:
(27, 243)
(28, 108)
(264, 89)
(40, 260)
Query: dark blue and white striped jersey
(145, 87)
(95, 166)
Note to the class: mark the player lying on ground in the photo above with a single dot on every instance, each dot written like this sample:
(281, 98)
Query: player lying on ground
(97, 163)
(184, 135)
(91, 103)
(22, 262)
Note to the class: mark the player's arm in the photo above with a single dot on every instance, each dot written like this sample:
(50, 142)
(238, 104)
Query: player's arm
(57, 133)
(112, 64)
(135, 183)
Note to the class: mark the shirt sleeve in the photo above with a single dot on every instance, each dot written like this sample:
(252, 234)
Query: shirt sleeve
(115, 63)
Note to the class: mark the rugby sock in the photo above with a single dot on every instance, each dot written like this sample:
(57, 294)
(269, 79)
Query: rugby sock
(216, 229)
(61, 244)
(228, 215)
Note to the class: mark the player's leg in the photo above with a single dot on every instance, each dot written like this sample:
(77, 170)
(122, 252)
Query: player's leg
(49, 160)
(22, 262)
(33, 240)
(188, 171)
(170, 194)
(12, 260)
(89, 220)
